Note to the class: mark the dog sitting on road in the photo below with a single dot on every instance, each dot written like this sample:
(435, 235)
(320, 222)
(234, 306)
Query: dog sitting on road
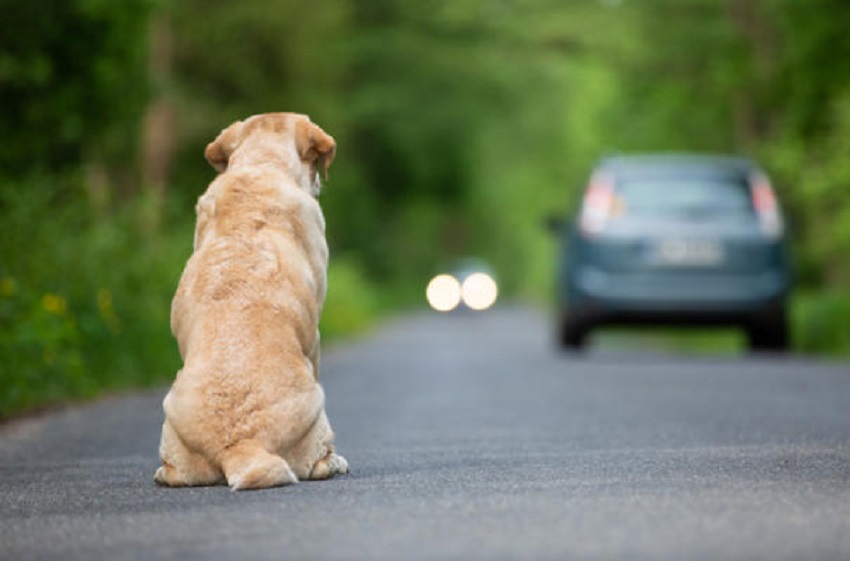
(247, 408)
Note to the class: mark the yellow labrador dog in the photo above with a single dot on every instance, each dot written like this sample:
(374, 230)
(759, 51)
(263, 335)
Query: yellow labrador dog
(247, 408)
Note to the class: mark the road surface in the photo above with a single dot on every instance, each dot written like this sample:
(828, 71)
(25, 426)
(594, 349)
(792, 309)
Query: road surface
(470, 437)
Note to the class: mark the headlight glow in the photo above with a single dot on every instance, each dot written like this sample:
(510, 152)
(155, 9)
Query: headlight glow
(443, 293)
(479, 291)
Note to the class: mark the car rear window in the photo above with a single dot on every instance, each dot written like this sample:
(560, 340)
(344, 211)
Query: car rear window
(688, 196)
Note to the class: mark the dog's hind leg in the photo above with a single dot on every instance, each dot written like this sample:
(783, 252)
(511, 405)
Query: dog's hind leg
(180, 466)
(314, 457)
(247, 465)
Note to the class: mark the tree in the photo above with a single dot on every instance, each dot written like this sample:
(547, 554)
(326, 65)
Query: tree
(72, 83)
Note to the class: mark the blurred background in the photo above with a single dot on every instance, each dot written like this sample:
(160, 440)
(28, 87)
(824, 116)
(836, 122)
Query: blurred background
(461, 125)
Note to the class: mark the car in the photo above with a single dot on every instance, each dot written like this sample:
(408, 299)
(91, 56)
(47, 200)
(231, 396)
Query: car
(675, 239)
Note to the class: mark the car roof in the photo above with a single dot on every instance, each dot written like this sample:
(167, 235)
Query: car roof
(677, 164)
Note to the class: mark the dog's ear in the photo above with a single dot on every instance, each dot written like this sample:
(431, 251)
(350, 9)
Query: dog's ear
(219, 150)
(315, 144)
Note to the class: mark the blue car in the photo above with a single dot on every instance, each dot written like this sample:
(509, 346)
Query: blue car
(675, 240)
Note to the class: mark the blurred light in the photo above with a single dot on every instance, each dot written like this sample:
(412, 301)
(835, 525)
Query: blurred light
(767, 207)
(479, 291)
(443, 293)
(599, 205)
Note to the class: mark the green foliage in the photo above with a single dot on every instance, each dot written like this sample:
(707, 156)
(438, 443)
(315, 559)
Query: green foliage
(84, 299)
(42, 359)
(815, 177)
(821, 322)
(72, 81)
(351, 303)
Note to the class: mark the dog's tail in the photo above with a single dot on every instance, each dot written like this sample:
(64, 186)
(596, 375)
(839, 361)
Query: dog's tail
(247, 465)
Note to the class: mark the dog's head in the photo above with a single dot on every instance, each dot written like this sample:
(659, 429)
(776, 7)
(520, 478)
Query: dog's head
(290, 137)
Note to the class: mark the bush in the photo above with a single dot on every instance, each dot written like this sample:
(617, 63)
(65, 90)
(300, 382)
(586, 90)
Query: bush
(351, 303)
(84, 299)
(821, 322)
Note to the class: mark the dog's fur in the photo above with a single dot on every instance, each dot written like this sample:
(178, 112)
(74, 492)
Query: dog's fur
(247, 408)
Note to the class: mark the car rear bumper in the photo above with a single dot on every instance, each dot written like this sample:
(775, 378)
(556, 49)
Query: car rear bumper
(675, 297)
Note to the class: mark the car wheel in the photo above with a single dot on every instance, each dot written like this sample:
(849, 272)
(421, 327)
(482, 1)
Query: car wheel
(573, 335)
(768, 337)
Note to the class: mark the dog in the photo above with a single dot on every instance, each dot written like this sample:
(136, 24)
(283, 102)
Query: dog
(246, 408)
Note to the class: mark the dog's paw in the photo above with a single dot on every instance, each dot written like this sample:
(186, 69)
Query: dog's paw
(330, 465)
(338, 464)
(159, 476)
(167, 476)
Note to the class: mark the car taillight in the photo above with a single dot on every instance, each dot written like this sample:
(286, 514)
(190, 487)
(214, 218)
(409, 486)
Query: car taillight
(598, 205)
(766, 207)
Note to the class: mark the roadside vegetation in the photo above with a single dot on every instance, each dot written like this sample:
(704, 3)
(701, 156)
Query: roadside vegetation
(460, 126)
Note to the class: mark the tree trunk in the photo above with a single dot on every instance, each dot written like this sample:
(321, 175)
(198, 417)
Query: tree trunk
(752, 113)
(158, 138)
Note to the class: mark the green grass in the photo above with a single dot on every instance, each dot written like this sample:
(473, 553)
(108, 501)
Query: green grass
(720, 342)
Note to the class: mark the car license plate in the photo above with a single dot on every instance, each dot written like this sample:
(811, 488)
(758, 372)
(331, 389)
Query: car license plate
(687, 253)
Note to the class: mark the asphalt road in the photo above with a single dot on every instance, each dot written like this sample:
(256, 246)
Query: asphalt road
(469, 437)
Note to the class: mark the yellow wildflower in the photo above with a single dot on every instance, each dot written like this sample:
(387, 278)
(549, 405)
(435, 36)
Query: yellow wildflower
(7, 287)
(54, 304)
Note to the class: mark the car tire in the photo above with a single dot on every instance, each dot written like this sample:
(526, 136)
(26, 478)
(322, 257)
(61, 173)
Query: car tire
(573, 334)
(768, 336)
